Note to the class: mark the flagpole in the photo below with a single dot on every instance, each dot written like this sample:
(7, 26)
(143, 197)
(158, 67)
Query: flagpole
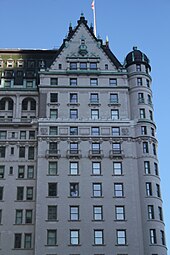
(94, 16)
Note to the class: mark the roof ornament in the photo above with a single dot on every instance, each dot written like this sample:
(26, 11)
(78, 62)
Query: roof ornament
(83, 48)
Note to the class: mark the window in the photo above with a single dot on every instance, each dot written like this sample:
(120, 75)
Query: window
(95, 131)
(97, 213)
(21, 172)
(118, 190)
(147, 83)
(54, 81)
(113, 82)
(153, 236)
(3, 134)
(52, 212)
(52, 168)
(73, 98)
(114, 98)
(93, 82)
(18, 216)
(147, 167)
(30, 172)
(152, 132)
(74, 168)
(10, 63)
(149, 100)
(158, 192)
(116, 147)
(150, 115)
(151, 212)
(115, 131)
(54, 130)
(98, 237)
(28, 216)
(73, 113)
(143, 130)
(2, 171)
(74, 148)
(2, 152)
(74, 189)
(95, 114)
(73, 130)
(121, 237)
(27, 241)
(120, 212)
(148, 189)
(17, 241)
(141, 98)
(74, 213)
(20, 193)
(138, 68)
(160, 213)
(11, 170)
(83, 66)
(114, 114)
(139, 82)
(154, 149)
(53, 97)
(20, 63)
(97, 189)
(23, 135)
(51, 237)
(96, 148)
(31, 134)
(156, 169)
(74, 237)
(29, 193)
(142, 113)
(29, 84)
(117, 168)
(73, 66)
(12, 150)
(1, 193)
(145, 147)
(53, 147)
(53, 113)
(162, 237)
(31, 153)
(94, 98)
(73, 81)
(21, 152)
(96, 168)
(52, 189)
(93, 66)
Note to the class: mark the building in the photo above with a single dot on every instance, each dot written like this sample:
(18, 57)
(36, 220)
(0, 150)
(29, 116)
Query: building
(78, 153)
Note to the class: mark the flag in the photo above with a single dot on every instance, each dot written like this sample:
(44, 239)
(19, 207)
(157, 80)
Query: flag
(92, 5)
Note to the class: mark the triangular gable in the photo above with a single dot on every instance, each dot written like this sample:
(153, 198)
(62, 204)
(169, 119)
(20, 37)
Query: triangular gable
(82, 45)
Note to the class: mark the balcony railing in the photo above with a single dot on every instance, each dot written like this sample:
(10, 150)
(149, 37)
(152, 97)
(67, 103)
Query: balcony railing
(96, 153)
(116, 153)
(53, 153)
(73, 153)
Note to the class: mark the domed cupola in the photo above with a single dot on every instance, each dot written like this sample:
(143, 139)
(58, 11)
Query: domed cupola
(137, 57)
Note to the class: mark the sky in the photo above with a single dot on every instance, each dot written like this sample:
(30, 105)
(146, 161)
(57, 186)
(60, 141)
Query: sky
(43, 24)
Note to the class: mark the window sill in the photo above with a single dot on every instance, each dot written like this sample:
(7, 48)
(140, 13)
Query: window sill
(51, 220)
(51, 245)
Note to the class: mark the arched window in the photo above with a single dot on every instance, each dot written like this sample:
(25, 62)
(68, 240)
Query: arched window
(29, 104)
(6, 104)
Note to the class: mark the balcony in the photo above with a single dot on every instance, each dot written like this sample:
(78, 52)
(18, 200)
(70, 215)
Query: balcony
(116, 154)
(96, 154)
(94, 102)
(53, 153)
(141, 100)
(73, 153)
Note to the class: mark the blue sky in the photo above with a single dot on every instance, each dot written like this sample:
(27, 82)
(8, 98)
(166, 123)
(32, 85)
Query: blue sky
(127, 23)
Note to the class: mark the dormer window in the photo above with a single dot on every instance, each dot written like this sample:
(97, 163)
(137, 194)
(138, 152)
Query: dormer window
(1, 63)
(20, 63)
(73, 66)
(10, 63)
(93, 66)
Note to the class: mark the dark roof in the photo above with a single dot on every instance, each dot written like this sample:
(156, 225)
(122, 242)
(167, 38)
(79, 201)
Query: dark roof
(105, 48)
(137, 57)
